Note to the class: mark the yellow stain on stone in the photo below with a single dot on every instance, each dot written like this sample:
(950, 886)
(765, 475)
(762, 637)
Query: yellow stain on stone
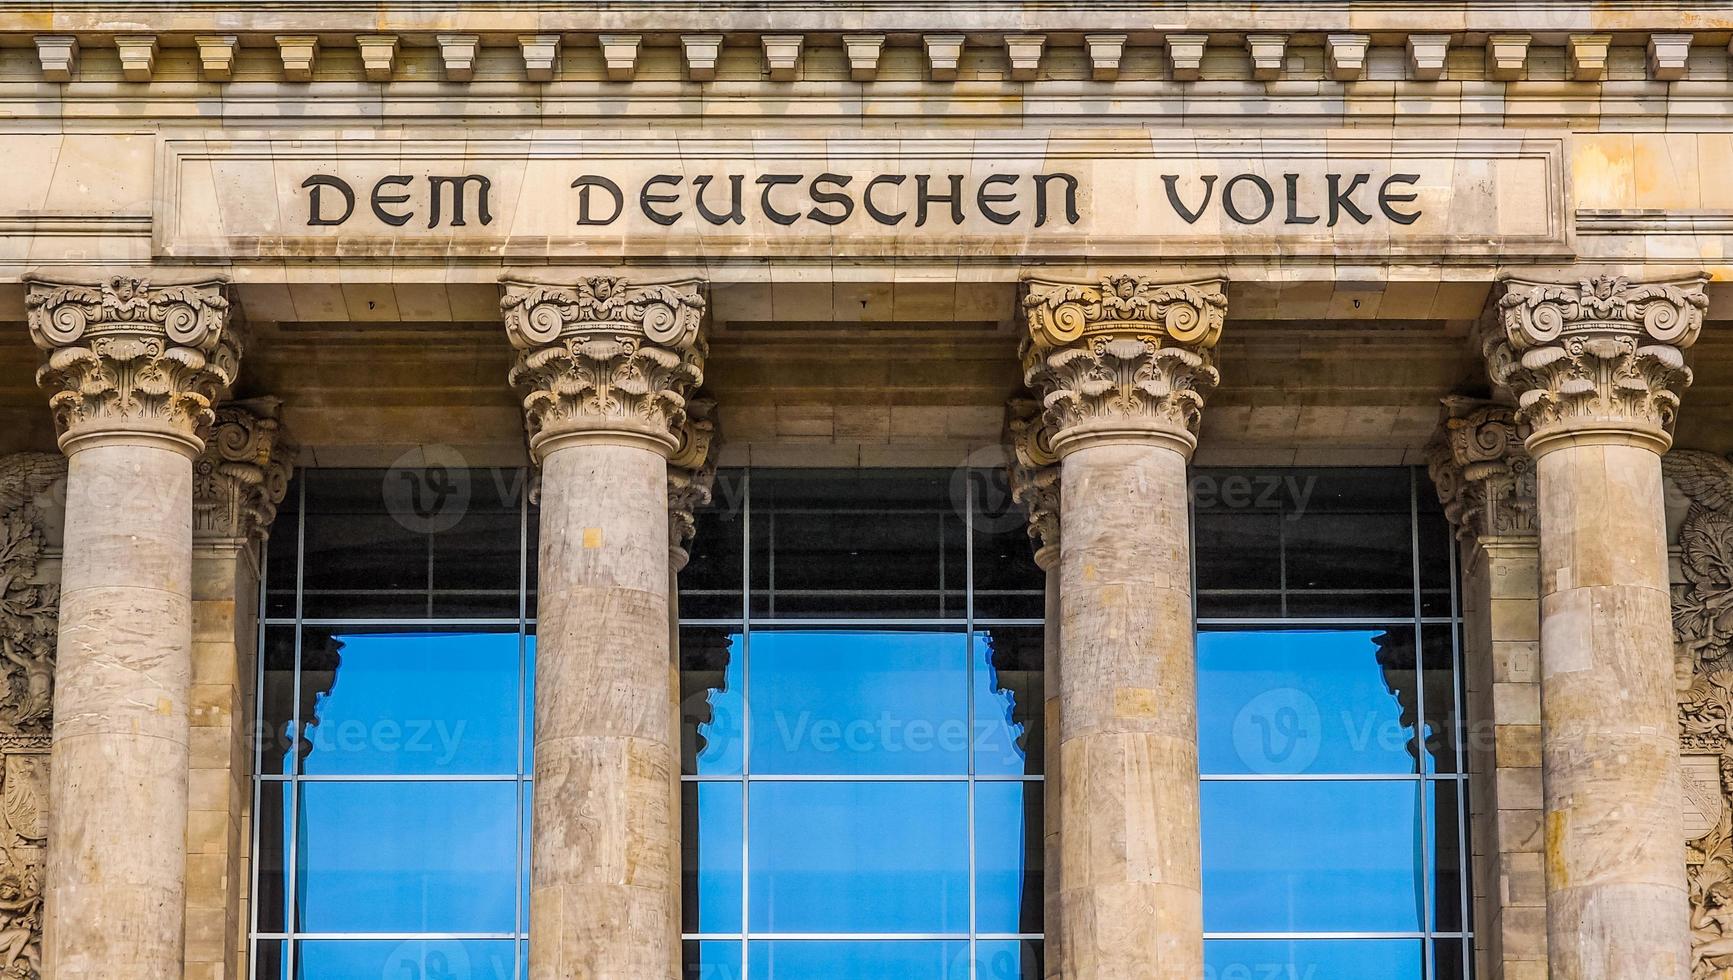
(1136, 702)
(1603, 171)
(1556, 871)
(592, 537)
(165, 707)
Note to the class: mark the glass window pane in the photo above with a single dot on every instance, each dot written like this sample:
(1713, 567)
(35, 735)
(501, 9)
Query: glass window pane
(1287, 701)
(902, 959)
(277, 704)
(273, 884)
(1008, 857)
(1009, 700)
(1450, 959)
(415, 703)
(836, 543)
(711, 583)
(1319, 959)
(712, 701)
(408, 857)
(1316, 856)
(1010, 959)
(405, 959)
(1444, 815)
(1008, 583)
(859, 857)
(708, 960)
(711, 817)
(282, 553)
(270, 962)
(879, 702)
(1445, 730)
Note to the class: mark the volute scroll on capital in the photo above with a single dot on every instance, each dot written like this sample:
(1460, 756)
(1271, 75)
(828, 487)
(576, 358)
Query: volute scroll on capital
(605, 358)
(1601, 360)
(1124, 358)
(691, 476)
(1483, 474)
(126, 358)
(243, 473)
(1034, 475)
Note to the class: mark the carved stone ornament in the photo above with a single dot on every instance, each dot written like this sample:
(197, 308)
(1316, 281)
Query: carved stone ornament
(1603, 356)
(691, 476)
(1483, 475)
(29, 622)
(1124, 358)
(1702, 635)
(242, 475)
(605, 357)
(125, 356)
(1034, 472)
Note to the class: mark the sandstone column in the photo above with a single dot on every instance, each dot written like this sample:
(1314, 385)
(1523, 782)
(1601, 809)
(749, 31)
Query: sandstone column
(1598, 368)
(1485, 480)
(133, 372)
(1035, 485)
(605, 368)
(238, 481)
(1123, 368)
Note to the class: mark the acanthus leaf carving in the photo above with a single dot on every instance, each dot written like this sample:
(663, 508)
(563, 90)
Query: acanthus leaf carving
(605, 356)
(1484, 477)
(1125, 354)
(1034, 475)
(243, 473)
(1604, 354)
(691, 475)
(126, 355)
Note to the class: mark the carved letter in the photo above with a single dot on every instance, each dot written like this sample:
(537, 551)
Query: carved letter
(1190, 216)
(316, 215)
(1070, 182)
(771, 182)
(1342, 200)
(830, 197)
(1386, 199)
(646, 199)
(1294, 215)
(872, 209)
(587, 181)
(458, 184)
(736, 215)
(1263, 187)
(985, 201)
(923, 198)
(380, 200)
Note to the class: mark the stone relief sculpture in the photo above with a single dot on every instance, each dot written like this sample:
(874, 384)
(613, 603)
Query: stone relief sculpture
(32, 488)
(1700, 517)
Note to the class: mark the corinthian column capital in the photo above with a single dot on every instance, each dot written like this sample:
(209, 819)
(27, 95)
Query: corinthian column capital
(1126, 358)
(127, 360)
(605, 359)
(1483, 474)
(242, 474)
(691, 476)
(1034, 472)
(1601, 360)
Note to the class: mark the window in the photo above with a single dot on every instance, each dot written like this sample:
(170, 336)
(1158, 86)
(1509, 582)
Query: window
(1328, 697)
(862, 730)
(393, 690)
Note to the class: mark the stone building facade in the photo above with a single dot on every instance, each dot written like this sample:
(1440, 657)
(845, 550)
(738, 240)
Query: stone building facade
(641, 254)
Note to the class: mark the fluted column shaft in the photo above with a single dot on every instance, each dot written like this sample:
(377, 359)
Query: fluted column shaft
(133, 372)
(1598, 370)
(606, 368)
(1123, 369)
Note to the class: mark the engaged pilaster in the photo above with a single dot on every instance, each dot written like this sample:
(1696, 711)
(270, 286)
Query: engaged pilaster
(1485, 480)
(133, 372)
(607, 369)
(1035, 485)
(1598, 368)
(238, 481)
(1123, 367)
